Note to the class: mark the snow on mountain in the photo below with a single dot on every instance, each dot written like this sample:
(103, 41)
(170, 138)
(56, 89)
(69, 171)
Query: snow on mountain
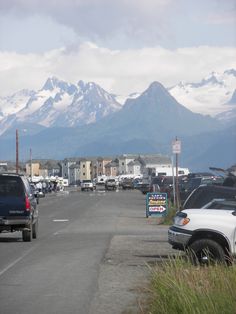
(122, 99)
(59, 103)
(208, 96)
(14, 103)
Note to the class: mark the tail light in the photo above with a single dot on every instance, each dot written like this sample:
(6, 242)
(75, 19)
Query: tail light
(27, 204)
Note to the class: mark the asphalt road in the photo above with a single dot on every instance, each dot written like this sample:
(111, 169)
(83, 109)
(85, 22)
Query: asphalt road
(90, 257)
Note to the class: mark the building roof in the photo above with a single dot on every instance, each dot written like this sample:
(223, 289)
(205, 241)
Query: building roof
(135, 162)
(154, 159)
(128, 156)
(112, 164)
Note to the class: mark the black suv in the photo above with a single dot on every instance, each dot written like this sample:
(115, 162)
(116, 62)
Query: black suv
(18, 206)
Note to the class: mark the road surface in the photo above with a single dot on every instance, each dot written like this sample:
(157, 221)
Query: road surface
(91, 255)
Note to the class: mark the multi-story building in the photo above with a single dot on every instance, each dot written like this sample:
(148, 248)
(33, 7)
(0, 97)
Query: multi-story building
(43, 168)
(85, 169)
(66, 164)
(153, 165)
(33, 168)
(111, 168)
(134, 167)
(74, 174)
(124, 160)
(101, 163)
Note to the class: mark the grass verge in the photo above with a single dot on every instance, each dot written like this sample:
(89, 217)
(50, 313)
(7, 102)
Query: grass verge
(179, 287)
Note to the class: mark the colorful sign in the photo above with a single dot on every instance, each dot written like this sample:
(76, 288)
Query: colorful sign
(156, 204)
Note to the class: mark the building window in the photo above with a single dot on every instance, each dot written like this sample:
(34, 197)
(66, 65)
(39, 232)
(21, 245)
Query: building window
(83, 173)
(83, 166)
(123, 163)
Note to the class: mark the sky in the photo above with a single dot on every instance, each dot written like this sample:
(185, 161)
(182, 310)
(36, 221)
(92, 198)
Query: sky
(122, 45)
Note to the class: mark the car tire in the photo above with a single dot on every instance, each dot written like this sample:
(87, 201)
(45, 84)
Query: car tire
(27, 234)
(35, 230)
(206, 252)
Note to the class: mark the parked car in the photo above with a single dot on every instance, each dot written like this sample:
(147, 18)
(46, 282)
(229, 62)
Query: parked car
(87, 185)
(35, 191)
(18, 206)
(204, 194)
(188, 184)
(127, 183)
(206, 234)
(110, 184)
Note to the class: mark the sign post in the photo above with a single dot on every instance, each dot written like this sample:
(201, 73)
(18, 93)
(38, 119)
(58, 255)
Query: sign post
(156, 204)
(176, 149)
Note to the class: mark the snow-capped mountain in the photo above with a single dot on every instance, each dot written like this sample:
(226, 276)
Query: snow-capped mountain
(208, 96)
(59, 103)
(14, 103)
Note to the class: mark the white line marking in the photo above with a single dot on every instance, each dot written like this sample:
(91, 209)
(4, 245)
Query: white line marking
(60, 220)
(16, 261)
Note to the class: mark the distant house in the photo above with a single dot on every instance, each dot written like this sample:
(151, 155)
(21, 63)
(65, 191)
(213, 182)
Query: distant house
(111, 168)
(33, 168)
(85, 169)
(74, 174)
(65, 166)
(43, 168)
(101, 163)
(124, 160)
(53, 168)
(134, 167)
(154, 165)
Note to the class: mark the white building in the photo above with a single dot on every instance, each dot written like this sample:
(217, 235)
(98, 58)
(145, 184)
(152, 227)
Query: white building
(134, 167)
(124, 160)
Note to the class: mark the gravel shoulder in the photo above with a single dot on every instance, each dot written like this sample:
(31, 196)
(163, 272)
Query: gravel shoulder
(125, 271)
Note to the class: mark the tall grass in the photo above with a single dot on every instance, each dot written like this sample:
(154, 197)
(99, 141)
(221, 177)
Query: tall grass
(178, 287)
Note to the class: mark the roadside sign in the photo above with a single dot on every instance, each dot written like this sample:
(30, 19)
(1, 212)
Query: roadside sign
(156, 204)
(176, 147)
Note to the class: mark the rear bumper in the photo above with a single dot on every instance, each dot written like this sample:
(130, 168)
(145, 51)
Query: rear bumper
(14, 224)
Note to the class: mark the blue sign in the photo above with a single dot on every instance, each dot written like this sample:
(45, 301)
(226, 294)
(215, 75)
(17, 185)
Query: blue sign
(156, 204)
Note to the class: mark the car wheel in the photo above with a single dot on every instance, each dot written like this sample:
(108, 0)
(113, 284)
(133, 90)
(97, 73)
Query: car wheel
(206, 252)
(35, 229)
(27, 234)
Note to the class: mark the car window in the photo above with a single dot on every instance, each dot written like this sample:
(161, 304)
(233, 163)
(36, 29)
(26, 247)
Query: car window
(27, 186)
(204, 195)
(221, 204)
(11, 186)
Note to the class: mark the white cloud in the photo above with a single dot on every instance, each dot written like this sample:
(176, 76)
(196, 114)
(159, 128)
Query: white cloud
(118, 71)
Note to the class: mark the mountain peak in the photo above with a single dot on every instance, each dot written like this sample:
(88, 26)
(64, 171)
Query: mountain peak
(51, 83)
(230, 72)
(54, 82)
(156, 89)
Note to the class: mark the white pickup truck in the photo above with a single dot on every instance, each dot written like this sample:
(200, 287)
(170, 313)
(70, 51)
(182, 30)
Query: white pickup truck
(208, 233)
(87, 185)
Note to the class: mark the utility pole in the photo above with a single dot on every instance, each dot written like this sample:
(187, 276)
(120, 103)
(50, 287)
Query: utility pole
(17, 152)
(31, 164)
